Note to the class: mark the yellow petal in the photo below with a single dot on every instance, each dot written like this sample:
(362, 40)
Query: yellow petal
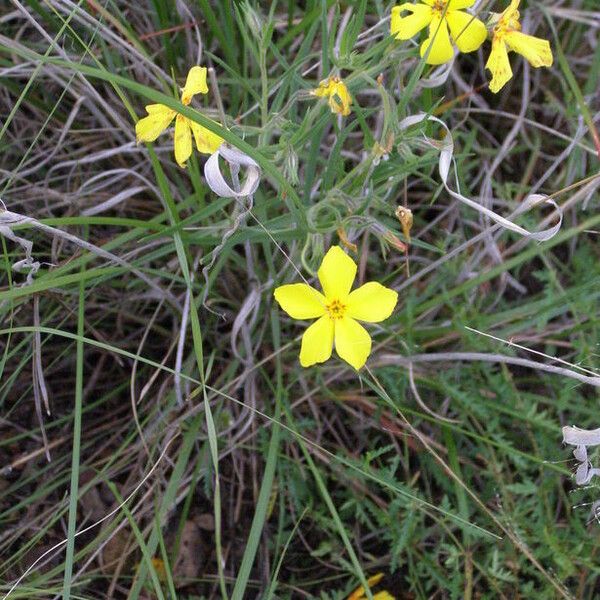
(157, 109)
(300, 301)
(150, 127)
(403, 28)
(499, 66)
(340, 99)
(194, 84)
(352, 342)
(439, 40)
(207, 142)
(457, 4)
(452, 4)
(325, 88)
(359, 592)
(375, 579)
(183, 140)
(536, 50)
(372, 302)
(511, 11)
(385, 595)
(467, 31)
(317, 342)
(335, 90)
(336, 274)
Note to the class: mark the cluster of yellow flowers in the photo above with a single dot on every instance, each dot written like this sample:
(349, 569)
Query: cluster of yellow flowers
(446, 19)
(338, 310)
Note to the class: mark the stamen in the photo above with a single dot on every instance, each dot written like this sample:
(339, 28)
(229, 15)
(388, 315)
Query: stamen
(336, 309)
(439, 5)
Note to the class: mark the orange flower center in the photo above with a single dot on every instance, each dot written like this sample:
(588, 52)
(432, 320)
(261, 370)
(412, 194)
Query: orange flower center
(336, 309)
(508, 22)
(439, 6)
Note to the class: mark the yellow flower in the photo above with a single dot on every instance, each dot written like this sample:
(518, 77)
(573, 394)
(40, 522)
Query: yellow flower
(468, 32)
(160, 117)
(337, 93)
(507, 36)
(359, 592)
(338, 311)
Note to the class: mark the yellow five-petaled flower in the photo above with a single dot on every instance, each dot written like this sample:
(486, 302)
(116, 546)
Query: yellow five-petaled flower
(335, 90)
(507, 36)
(468, 32)
(338, 311)
(160, 117)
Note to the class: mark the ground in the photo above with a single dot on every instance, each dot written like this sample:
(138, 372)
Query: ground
(159, 437)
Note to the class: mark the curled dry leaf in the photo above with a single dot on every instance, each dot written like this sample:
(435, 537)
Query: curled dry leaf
(446, 148)
(236, 159)
(191, 553)
(113, 557)
(581, 439)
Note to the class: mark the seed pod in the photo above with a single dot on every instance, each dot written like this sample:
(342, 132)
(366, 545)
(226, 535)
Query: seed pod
(405, 217)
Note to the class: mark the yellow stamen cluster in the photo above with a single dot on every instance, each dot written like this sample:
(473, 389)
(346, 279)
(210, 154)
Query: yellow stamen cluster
(336, 309)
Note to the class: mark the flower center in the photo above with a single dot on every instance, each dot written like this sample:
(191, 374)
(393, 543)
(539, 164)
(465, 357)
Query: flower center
(508, 22)
(336, 309)
(439, 6)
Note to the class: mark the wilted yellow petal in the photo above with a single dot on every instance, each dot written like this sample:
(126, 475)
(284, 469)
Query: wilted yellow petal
(207, 142)
(375, 579)
(324, 90)
(536, 50)
(352, 342)
(511, 12)
(467, 31)
(340, 99)
(499, 66)
(194, 84)
(150, 127)
(439, 40)
(317, 342)
(159, 567)
(335, 90)
(372, 302)
(183, 140)
(403, 28)
(300, 301)
(336, 274)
